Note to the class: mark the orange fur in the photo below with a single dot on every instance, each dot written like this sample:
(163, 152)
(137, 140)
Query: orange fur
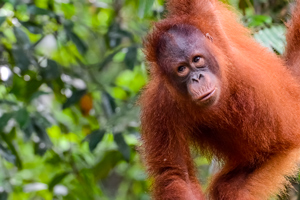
(292, 53)
(253, 130)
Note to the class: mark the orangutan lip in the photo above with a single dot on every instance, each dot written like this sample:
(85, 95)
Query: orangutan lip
(207, 95)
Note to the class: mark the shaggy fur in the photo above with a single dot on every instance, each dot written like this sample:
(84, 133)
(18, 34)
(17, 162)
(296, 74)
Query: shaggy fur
(254, 128)
(292, 53)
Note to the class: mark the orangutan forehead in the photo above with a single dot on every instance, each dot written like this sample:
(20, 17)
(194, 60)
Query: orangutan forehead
(184, 29)
(179, 40)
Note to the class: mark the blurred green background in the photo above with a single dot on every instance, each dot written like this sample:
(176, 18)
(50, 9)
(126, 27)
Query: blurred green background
(71, 72)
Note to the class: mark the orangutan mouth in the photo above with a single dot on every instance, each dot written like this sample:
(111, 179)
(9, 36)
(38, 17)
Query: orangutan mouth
(207, 95)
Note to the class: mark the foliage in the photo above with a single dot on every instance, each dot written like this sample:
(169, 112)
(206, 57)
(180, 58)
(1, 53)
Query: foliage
(71, 73)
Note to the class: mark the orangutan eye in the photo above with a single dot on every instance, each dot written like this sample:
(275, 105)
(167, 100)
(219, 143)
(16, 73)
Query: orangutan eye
(181, 69)
(196, 59)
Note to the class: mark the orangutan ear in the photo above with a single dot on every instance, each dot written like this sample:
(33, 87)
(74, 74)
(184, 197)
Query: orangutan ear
(209, 37)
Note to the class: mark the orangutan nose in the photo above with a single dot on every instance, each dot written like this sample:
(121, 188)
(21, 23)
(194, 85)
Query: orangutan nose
(196, 77)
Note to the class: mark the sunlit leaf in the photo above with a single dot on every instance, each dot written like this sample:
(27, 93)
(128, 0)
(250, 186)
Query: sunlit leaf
(68, 9)
(259, 20)
(34, 187)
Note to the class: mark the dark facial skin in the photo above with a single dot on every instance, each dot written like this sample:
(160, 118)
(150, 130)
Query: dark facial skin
(185, 57)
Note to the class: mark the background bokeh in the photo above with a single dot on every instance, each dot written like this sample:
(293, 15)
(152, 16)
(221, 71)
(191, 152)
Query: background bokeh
(71, 72)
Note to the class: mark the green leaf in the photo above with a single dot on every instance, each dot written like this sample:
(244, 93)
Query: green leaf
(40, 130)
(31, 87)
(76, 96)
(28, 130)
(11, 103)
(122, 146)
(24, 89)
(130, 58)
(21, 59)
(123, 33)
(39, 149)
(39, 116)
(68, 9)
(115, 35)
(33, 27)
(32, 9)
(144, 7)
(2, 19)
(57, 179)
(108, 59)
(5, 118)
(37, 94)
(148, 6)
(44, 142)
(3, 195)
(10, 145)
(52, 71)
(272, 38)
(259, 20)
(108, 162)
(94, 138)
(7, 155)
(108, 103)
(81, 46)
(114, 38)
(22, 117)
(22, 38)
